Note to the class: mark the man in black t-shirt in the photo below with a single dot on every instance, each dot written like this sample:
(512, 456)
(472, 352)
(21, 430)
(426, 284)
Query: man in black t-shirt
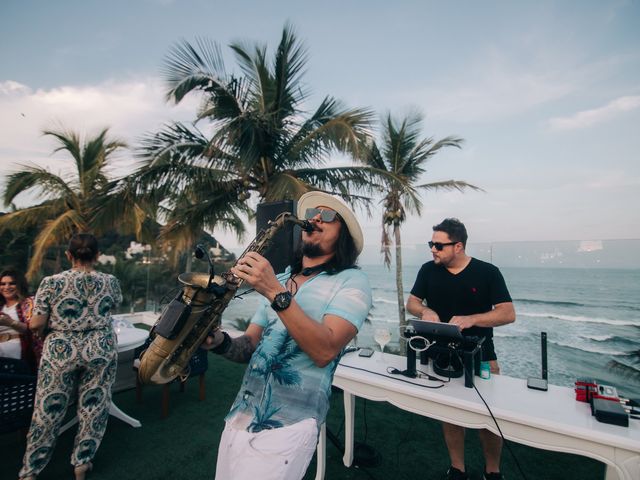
(468, 292)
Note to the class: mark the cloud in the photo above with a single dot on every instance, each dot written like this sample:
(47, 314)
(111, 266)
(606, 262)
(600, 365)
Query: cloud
(128, 108)
(589, 118)
(13, 89)
(502, 83)
(494, 86)
(496, 96)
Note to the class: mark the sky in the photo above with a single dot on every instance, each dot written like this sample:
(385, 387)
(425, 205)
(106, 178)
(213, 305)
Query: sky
(546, 95)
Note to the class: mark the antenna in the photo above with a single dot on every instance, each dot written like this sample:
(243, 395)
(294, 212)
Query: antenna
(543, 345)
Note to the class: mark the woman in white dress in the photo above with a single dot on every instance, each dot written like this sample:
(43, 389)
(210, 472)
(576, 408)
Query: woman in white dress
(15, 312)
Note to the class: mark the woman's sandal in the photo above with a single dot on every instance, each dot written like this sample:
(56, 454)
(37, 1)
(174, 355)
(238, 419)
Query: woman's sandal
(80, 471)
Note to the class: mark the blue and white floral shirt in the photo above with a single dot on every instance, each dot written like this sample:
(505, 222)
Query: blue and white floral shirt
(282, 385)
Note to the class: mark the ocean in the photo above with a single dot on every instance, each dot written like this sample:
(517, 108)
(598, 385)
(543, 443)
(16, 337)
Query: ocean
(591, 317)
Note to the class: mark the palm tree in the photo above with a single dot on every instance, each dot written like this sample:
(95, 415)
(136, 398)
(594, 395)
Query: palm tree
(70, 203)
(194, 209)
(260, 141)
(403, 154)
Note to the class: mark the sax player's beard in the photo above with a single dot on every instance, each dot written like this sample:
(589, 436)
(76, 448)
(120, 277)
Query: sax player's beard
(312, 250)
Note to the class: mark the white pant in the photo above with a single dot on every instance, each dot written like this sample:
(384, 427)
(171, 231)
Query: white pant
(277, 454)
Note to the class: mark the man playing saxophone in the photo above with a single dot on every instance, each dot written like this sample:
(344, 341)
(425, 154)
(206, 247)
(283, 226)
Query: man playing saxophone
(293, 345)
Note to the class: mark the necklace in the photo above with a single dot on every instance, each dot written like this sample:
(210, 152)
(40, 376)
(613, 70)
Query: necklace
(292, 285)
(310, 270)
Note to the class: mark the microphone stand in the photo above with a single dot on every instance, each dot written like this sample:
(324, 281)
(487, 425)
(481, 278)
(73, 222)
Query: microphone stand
(200, 253)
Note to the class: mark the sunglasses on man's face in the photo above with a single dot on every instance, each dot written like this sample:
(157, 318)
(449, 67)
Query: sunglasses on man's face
(440, 246)
(327, 216)
(5, 284)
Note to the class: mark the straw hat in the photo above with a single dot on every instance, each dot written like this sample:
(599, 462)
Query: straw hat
(316, 199)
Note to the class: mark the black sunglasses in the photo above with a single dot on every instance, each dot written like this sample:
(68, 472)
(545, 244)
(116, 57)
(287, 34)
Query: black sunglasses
(439, 246)
(327, 216)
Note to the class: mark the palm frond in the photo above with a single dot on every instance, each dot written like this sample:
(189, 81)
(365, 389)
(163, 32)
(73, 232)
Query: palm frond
(228, 104)
(118, 207)
(448, 185)
(54, 232)
(69, 141)
(48, 184)
(191, 214)
(289, 66)
(331, 127)
(344, 179)
(95, 154)
(22, 219)
(200, 67)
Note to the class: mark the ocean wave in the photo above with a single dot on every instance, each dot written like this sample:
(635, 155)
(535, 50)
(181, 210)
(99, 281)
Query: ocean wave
(561, 303)
(498, 333)
(599, 338)
(601, 351)
(580, 319)
(384, 300)
(610, 339)
(534, 301)
(628, 366)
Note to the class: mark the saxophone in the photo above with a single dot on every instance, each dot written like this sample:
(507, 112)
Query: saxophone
(197, 311)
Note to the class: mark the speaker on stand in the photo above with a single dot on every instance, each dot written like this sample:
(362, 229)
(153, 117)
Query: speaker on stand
(285, 242)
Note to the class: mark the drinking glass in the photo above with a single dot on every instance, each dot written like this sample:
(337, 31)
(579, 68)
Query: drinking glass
(382, 336)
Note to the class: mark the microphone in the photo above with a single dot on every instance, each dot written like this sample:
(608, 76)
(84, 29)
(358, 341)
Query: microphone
(308, 227)
(200, 252)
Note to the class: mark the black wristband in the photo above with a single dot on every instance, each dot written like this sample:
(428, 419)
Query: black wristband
(224, 346)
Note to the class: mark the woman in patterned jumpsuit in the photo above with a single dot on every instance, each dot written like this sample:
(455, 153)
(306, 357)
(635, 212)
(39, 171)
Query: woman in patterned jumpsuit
(79, 357)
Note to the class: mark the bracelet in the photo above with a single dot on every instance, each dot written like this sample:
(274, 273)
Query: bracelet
(224, 346)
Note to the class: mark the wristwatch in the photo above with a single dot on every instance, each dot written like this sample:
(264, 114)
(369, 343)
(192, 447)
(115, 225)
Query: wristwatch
(281, 301)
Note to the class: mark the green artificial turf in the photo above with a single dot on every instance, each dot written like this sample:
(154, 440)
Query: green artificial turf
(184, 445)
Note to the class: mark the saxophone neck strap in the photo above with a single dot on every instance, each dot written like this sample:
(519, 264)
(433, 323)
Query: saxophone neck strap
(305, 272)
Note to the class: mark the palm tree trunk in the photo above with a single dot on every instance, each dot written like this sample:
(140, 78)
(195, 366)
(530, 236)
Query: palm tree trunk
(402, 321)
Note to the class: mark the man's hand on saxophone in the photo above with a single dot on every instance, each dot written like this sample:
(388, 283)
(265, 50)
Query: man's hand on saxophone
(256, 270)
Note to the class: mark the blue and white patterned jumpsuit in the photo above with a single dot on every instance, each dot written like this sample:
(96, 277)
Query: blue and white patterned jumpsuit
(79, 361)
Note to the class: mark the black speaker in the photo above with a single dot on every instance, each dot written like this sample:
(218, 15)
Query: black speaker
(281, 252)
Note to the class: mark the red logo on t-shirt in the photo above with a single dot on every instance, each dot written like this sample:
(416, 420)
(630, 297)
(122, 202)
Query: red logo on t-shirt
(474, 290)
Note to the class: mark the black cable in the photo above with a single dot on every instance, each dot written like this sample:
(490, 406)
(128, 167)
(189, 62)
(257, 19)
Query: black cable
(335, 439)
(373, 458)
(504, 440)
(394, 378)
(404, 439)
